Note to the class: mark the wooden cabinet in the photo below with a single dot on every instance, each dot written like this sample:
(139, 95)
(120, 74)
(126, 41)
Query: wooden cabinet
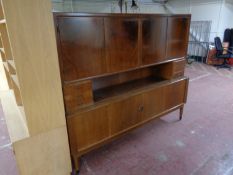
(118, 72)
(177, 36)
(81, 41)
(121, 38)
(154, 37)
(125, 113)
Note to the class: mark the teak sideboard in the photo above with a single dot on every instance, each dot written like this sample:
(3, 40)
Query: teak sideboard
(118, 72)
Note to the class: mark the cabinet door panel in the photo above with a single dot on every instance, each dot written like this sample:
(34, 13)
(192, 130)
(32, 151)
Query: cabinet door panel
(153, 102)
(125, 114)
(175, 94)
(121, 37)
(77, 95)
(154, 32)
(88, 128)
(82, 47)
(177, 37)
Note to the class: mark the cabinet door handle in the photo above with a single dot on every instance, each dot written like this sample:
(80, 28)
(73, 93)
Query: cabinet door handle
(140, 108)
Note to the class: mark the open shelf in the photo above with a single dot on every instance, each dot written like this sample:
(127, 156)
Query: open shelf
(5, 65)
(12, 63)
(11, 66)
(2, 50)
(15, 80)
(1, 12)
(16, 124)
(3, 56)
(16, 88)
(5, 42)
(2, 21)
(112, 91)
(114, 85)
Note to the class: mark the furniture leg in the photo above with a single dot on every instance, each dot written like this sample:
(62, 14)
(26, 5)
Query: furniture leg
(181, 112)
(76, 165)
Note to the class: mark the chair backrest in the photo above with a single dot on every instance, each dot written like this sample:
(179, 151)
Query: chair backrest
(218, 45)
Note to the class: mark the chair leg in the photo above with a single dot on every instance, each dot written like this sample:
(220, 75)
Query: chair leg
(224, 65)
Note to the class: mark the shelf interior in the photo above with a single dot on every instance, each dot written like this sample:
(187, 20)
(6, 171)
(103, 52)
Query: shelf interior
(115, 90)
(16, 123)
(11, 66)
(111, 86)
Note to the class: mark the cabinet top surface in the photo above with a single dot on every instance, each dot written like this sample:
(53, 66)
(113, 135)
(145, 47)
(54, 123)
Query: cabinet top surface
(78, 14)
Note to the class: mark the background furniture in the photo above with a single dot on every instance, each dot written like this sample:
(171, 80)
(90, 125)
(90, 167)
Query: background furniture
(221, 55)
(37, 128)
(118, 72)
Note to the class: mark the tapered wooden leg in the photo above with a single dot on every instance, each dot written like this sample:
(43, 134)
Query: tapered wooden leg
(76, 165)
(181, 112)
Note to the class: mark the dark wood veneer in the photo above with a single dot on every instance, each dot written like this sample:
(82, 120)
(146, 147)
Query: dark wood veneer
(177, 36)
(82, 47)
(121, 39)
(118, 72)
(154, 37)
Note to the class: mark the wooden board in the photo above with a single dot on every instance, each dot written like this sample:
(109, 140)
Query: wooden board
(38, 155)
(5, 42)
(36, 60)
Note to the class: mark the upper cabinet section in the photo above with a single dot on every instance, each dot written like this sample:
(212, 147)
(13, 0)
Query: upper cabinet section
(177, 36)
(91, 45)
(81, 42)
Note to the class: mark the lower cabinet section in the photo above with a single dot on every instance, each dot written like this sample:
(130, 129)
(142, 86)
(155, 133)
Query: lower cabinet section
(98, 124)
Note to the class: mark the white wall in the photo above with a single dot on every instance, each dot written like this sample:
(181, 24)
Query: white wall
(226, 20)
(104, 7)
(220, 12)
